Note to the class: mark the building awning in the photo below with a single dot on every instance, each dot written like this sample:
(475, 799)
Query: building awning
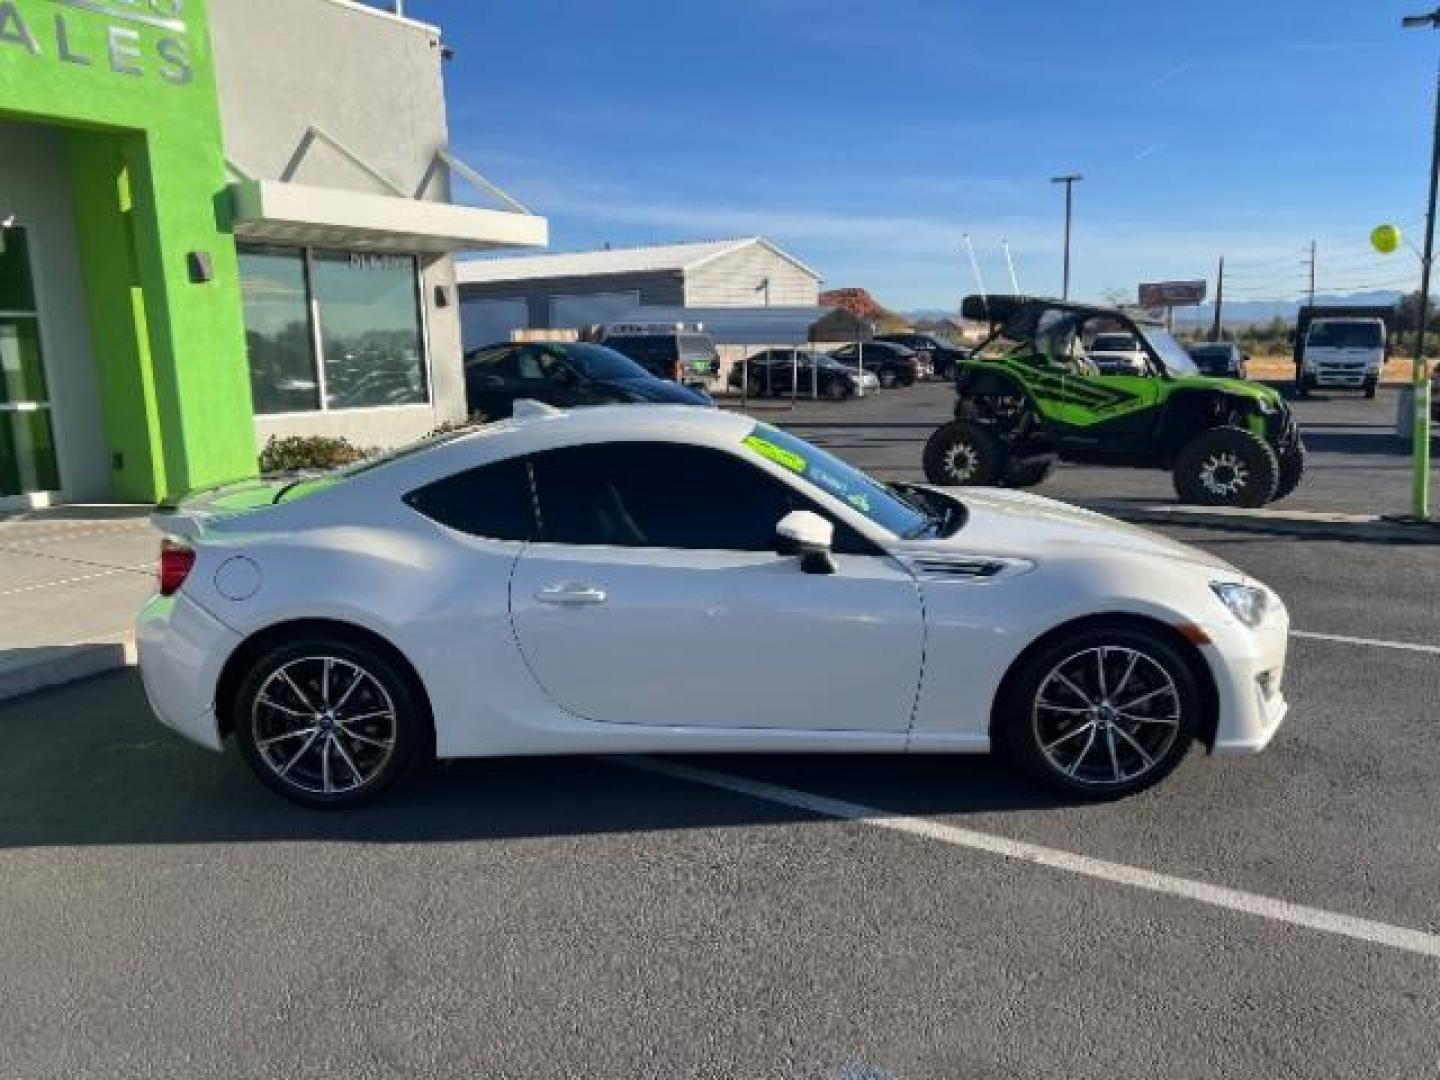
(270, 211)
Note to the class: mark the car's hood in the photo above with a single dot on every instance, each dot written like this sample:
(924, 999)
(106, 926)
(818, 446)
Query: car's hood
(1022, 525)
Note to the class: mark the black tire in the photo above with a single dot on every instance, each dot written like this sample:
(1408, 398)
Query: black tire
(1024, 476)
(1369, 390)
(387, 735)
(887, 378)
(906, 378)
(836, 389)
(1040, 718)
(1227, 466)
(1292, 470)
(963, 453)
(756, 388)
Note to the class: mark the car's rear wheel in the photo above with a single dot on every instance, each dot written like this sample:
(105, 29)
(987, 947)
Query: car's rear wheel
(906, 378)
(1292, 470)
(327, 722)
(1227, 466)
(887, 378)
(963, 453)
(1103, 713)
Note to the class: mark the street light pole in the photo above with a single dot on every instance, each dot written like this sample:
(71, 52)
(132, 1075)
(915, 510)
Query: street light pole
(1420, 375)
(1069, 181)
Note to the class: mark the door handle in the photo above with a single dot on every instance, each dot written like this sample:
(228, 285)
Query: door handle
(571, 593)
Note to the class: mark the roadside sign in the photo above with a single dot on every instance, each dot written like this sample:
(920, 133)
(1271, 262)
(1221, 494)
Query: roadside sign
(1168, 294)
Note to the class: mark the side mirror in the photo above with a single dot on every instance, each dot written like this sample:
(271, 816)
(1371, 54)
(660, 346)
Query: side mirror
(808, 535)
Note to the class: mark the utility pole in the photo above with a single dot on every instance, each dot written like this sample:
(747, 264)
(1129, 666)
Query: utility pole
(1219, 299)
(1312, 273)
(1069, 180)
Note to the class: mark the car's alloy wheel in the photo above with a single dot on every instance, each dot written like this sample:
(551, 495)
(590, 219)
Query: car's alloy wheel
(323, 725)
(1106, 716)
(327, 723)
(1104, 712)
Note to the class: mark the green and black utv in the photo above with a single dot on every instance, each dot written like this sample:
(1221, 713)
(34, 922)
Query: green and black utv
(1030, 395)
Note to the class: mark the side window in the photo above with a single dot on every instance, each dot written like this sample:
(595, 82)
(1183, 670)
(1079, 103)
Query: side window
(495, 360)
(665, 495)
(494, 501)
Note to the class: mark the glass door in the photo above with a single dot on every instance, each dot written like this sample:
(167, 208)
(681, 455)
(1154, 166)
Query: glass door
(27, 439)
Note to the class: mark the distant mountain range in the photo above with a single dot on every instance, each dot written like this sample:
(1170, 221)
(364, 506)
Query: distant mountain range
(1236, 312)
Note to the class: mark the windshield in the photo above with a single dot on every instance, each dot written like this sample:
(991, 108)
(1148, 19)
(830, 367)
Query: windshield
(598, 362)
(832, 476)
(1113, 343)
(1176, 360)
(1345, 335)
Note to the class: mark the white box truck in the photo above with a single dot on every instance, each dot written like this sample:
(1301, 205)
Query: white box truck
(1336, 350)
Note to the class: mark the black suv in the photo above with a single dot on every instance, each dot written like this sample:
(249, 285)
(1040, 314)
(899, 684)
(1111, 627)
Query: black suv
(682, 356)
(564, 375)
(943, 357)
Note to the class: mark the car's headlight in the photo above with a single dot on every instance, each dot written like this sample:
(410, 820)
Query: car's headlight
(1246, 602)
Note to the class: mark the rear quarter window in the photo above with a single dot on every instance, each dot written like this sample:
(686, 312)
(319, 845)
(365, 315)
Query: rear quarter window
(493, 501)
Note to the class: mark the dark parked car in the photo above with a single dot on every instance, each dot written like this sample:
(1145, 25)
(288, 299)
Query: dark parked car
(1222, 359)
(942, 356)
(564, 375)
(893, 365)
(772, 371)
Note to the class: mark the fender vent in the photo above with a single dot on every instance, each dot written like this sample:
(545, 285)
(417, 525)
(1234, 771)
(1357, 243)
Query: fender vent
(960, 568)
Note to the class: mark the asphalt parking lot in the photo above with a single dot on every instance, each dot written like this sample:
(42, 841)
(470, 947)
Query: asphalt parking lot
(165, 916)
(1356, 465)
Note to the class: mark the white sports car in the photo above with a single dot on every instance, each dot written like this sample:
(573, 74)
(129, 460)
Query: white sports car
(657, 578)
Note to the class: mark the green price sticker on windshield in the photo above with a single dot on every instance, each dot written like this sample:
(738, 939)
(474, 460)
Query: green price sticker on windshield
(778, 454)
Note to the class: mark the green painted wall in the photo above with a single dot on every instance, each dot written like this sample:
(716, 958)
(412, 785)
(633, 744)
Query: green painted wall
(134, 85)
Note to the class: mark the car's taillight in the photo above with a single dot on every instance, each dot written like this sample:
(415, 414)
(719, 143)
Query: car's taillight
(176, 561)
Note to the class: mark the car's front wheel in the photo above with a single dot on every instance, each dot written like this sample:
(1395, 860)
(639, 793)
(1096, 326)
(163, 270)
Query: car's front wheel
(328, 722)
(1103, 713)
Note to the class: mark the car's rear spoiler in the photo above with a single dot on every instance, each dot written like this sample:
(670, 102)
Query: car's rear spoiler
(185, 516)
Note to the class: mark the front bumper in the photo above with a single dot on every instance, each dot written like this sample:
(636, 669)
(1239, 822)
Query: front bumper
(182, 649)
(1340, 376)
(1248, 666)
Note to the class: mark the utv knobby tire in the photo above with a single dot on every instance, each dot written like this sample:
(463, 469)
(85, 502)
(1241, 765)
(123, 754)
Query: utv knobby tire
(1024, 476)
(1292, 470)
(962, 453)
(1227, 466)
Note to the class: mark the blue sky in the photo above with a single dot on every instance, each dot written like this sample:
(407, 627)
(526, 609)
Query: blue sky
(867, 138)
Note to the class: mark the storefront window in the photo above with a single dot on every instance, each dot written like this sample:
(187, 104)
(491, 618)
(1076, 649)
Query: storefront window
(278, 337)
(370, 329)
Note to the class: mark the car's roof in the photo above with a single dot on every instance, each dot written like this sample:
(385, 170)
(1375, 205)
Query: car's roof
(538, 427)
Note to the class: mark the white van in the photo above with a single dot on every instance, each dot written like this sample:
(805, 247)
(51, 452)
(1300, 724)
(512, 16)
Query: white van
(1346, 353)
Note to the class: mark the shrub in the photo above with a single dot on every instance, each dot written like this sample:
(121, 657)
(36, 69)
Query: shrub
(474, 420)
(308, 452)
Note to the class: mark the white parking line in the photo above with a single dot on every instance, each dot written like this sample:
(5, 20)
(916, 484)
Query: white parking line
(1374, 643)
(1329, 922)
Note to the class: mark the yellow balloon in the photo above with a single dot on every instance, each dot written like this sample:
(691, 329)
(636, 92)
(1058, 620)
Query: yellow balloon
(1385, 238)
